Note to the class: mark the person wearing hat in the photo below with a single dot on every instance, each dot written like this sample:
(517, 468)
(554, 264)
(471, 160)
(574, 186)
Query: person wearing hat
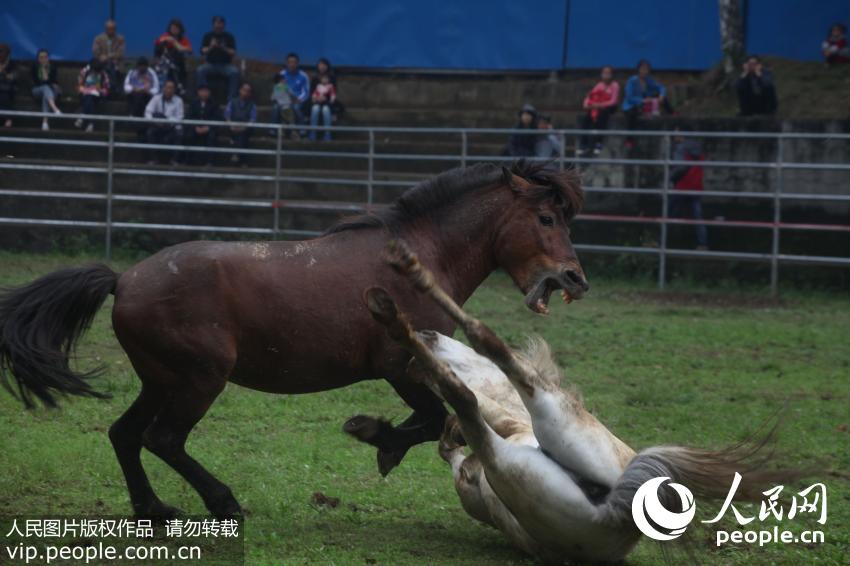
(522, 144)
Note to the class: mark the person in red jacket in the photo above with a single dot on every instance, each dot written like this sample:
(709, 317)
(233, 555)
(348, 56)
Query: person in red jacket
(687, 179)
(598, 106)
(176, 47)
(835, 48)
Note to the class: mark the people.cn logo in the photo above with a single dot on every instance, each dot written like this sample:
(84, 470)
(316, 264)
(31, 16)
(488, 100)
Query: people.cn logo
(646, 507)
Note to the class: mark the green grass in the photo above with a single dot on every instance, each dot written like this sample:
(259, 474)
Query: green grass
(690, 368)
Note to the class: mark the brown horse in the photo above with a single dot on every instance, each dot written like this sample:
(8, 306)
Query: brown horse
(287, 317)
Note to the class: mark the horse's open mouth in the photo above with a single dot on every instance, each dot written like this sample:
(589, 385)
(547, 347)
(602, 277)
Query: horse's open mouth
(538, 298)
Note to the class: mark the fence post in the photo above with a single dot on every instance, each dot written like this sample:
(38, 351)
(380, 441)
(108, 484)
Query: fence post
(562, 153)
(463, 148)
(371, 177)
(777, 207)
(662, 256)
(110, 166)
(277, 171)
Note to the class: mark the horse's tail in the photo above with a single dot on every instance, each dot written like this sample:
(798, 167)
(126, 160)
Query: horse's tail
(708, 474)
(40, 324)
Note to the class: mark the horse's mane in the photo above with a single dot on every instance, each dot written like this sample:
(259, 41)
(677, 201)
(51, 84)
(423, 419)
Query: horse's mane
(431, 196)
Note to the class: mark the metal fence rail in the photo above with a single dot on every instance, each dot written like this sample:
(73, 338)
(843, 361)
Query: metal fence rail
(371, 156)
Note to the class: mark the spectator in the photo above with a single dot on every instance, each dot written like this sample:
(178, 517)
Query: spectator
(44, 85)
(756, 90)
(324, 67)
(323, 98)
(219, 47)
(167, 107)
(8, 82)
(835, 48)
(281, 104)
(550, 144)
(140, 85)
(687, 179)
(108, 48)
(299, 86)
(165, 70)
(202, 108)
(241, 109)
(643, 96)
(599, 104)
(521, 144)
(174, 47)
(93, 87)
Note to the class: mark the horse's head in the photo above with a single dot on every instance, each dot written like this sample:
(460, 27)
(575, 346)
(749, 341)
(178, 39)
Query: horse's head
(533, 238)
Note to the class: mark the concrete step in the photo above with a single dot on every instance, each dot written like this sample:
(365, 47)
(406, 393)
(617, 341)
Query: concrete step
(379, 115)
(304, 154)
(403, 90)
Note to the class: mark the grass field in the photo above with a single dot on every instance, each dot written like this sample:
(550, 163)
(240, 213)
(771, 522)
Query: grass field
(686, 367)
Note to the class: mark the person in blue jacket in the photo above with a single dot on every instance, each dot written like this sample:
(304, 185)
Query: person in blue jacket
(643, 94)
(299, 87)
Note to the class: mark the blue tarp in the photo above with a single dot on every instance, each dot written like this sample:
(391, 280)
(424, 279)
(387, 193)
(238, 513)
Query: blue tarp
(671, 35)
(792, 28)
(442, 34)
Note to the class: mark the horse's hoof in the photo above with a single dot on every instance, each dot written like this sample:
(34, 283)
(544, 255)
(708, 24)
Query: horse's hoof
(389, 460)
(361, 427)
(229, 512)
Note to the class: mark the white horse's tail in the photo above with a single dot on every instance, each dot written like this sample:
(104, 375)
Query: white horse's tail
(707, 474)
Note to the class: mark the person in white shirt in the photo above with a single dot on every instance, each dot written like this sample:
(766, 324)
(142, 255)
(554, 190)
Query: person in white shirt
(140, 85)
(167, 108)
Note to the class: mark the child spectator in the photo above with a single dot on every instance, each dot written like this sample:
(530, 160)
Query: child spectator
(241, 109)
(93, 87)
(548, 145)
(175, 47)
(8, 82)
(835, 48)
(756, 90)
(140, 85)
(686, 180)
(281, 105)
(202, 108)
(599, 104)
(219, 47)
(324, 67)
(299, 87)
(44, 85)
(108, 48)
(522, 144)
(166, 106)
(323, 97)
(644, 95)
(165, 69)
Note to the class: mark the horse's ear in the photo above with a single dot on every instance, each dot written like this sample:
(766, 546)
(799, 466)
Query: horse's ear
(515, 182)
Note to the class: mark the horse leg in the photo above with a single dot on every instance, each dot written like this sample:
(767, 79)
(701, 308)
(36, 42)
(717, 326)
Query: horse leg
(126, 437)
(564, 429)
(166, 438)
(393, 442)
(466, 472)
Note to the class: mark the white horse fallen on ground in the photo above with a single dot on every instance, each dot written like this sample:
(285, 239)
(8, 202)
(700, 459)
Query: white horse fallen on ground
(544, 471)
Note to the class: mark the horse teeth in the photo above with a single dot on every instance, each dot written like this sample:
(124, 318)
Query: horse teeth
(566, 296)
(541, 307)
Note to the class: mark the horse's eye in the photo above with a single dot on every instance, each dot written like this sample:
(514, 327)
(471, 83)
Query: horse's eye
(547, 221)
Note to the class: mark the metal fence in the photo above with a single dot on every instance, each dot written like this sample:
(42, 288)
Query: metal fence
(278, 175)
